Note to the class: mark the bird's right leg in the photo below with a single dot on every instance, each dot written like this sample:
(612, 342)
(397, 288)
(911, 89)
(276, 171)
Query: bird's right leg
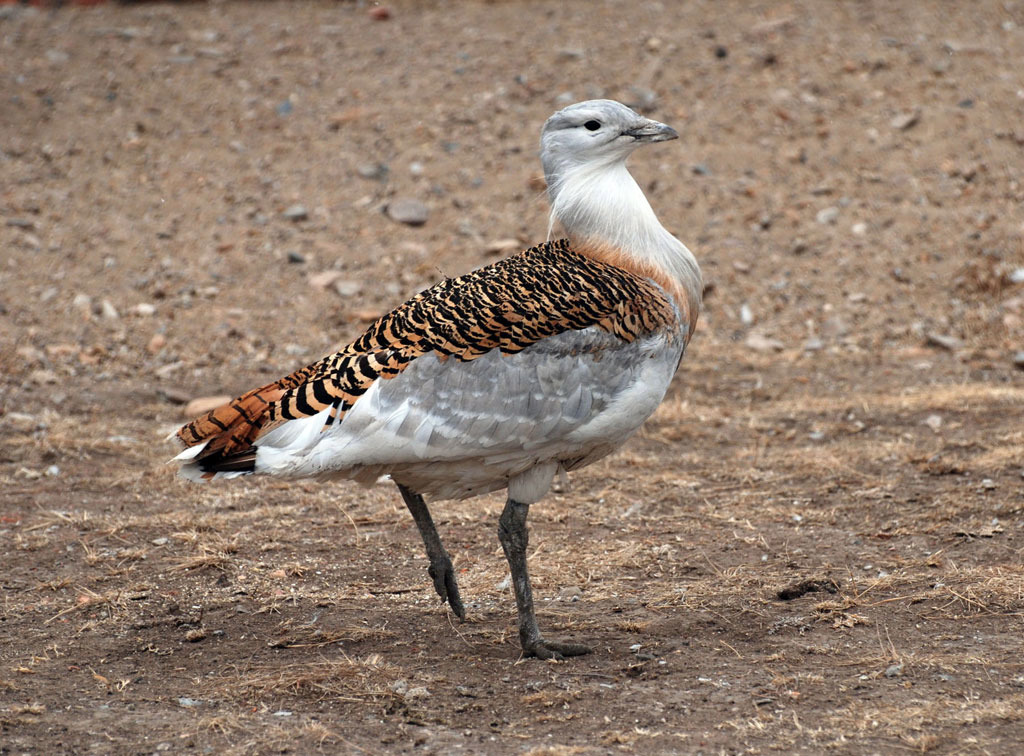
(440, 569)
(514, 539)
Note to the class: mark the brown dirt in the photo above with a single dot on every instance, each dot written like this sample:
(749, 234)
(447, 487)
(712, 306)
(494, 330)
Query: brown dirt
(147, 153)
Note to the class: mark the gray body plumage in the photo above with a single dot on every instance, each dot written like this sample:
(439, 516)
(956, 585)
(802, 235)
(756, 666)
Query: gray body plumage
(451, 429)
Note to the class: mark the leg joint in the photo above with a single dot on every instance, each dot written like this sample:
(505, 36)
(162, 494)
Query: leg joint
(512, 525)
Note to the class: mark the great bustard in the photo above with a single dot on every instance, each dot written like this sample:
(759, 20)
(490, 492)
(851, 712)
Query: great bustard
(501, 378)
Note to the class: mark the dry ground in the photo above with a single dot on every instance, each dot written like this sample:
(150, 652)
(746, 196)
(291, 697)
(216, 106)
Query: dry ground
(848, 419)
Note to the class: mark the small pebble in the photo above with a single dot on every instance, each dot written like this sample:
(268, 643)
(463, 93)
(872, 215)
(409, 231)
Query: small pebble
(411, 212)
(295, 213)
(905, 121)
(41, 377)
(204, 404)
(746, 315)
(502, 246)
(296, 257)
(570, 593)
(827, 215)
(377, 171)
(347, 288)
(943, 341)
(324, 279)
(1018, 360)
(763, 344)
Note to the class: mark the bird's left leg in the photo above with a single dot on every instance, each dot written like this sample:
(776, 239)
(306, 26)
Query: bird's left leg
(440, 569)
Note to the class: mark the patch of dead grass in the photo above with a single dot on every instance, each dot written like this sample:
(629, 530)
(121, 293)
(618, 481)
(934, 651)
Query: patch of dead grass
(88, 600)
(341, 679)
(916, 718)
(314, 637)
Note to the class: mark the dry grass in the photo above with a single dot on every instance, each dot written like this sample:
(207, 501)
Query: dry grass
(341, 680)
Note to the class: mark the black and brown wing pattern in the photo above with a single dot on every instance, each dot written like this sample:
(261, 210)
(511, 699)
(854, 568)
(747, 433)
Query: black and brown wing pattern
(510, 305)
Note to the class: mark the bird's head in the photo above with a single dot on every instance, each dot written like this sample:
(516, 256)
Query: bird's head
(595, 133)
(601, 208)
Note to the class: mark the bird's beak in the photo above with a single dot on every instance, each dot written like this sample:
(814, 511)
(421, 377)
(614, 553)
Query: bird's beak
(651, 131)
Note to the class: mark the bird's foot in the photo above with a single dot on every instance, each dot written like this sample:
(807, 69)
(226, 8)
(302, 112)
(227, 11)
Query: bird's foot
(557, 650)
(443, 574)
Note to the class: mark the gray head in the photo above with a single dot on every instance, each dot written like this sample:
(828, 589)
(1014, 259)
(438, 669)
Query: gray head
(595, 132)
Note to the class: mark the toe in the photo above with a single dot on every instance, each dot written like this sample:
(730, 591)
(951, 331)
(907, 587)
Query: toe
(454, 599)
(545, 649)
(443, 574)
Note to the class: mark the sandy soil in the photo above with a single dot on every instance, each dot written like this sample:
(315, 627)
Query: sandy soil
(814, 545)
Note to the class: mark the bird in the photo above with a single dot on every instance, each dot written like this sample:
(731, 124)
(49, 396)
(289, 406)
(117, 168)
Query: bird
(500, 379)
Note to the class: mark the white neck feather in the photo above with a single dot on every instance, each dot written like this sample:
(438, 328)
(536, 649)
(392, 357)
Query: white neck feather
(600, 203)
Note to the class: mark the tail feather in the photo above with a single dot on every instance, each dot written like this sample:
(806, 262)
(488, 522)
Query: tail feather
(241, 462)
(227, 433)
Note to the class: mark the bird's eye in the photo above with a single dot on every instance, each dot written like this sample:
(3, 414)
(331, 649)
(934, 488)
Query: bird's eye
(592, 125)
